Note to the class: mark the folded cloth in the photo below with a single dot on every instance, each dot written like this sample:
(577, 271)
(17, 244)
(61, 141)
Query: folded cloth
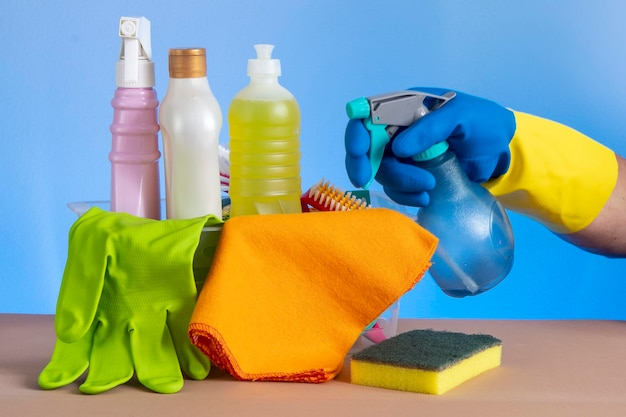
(288, 294)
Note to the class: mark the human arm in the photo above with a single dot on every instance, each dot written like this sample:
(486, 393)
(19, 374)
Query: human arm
(536, 167)
(606, 235)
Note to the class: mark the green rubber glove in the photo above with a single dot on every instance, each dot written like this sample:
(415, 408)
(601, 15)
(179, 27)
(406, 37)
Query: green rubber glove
(125, 302)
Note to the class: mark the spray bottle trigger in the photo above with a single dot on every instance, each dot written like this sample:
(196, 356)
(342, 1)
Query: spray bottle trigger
(135, 34)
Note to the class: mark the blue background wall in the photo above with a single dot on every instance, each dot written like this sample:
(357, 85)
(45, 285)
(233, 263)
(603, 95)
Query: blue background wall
(564, 60)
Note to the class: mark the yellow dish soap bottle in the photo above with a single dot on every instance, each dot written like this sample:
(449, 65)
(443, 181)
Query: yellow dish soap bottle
(264, 128)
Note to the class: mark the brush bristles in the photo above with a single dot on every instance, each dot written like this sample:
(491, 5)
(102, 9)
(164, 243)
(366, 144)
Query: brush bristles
(326, 197)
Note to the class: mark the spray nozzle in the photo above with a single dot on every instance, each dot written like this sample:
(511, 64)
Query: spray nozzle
(134, 67)
(264, 64)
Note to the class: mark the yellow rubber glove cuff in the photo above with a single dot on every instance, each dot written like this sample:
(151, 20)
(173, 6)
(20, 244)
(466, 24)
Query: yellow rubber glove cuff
(557, 176)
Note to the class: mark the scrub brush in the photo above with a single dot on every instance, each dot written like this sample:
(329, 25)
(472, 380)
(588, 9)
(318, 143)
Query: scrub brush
(325, 197)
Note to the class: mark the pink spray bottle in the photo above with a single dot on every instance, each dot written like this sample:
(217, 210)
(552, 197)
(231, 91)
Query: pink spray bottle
(135, 152)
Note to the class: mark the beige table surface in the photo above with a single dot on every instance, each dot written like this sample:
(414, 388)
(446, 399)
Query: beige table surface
(549, 368)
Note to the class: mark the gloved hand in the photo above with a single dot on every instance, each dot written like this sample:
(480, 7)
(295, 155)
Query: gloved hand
(125, 303)
(478, 131)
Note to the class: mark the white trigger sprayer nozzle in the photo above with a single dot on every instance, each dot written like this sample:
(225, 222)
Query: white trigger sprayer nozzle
(135, 68)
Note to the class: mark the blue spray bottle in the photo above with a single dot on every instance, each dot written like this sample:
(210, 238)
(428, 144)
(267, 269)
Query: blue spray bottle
(476, 244)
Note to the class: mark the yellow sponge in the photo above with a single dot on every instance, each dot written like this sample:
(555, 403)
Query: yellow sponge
(426, 361)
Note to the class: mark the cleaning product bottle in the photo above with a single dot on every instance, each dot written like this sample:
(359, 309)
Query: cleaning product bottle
(264, 125)
(135, 147)
(191, 120)
(475, 250)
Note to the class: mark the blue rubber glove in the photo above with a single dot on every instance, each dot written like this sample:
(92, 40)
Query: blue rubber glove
(478, 131)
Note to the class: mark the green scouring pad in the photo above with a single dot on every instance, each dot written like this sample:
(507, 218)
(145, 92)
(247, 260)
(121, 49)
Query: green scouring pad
(426, 361)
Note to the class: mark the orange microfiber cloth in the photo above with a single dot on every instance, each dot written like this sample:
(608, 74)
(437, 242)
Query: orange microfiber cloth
(288, 294)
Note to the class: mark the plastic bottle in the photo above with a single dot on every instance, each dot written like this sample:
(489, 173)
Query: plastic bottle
(264, 124)
(191, 120)
(476, 246)
(135, 147)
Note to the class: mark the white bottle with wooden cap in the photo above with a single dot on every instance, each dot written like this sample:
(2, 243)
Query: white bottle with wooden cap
(190, 119)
